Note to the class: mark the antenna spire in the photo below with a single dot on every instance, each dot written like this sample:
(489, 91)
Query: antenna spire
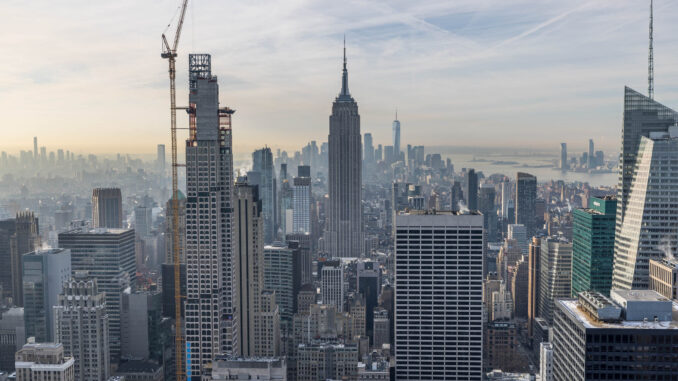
(396, 114)
(344, 95)
(650, 59)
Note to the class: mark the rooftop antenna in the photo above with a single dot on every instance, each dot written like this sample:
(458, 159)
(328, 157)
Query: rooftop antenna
(650, 61)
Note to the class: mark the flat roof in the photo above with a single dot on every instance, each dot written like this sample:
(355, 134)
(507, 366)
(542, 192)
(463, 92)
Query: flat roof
(640, 295)
(572, 306)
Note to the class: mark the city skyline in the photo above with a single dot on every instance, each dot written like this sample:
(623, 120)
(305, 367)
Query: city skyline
(480, 63)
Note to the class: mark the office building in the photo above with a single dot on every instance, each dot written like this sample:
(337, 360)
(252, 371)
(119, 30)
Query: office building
(18, 236)
(332, 286)
(107, 208)
(526, 196)
(471, 191)
(12, 336)
(649, 224)
(591, 164)
(381, 328)
(211, 325)
(282, 275)
(429, 245)
(249, 368)
(44, 362)
(140, 322)
(81, 325)
(502, 350)
(563, 157)
(518, 232)
(664, 277)
(302, 243)
(629, 336)
(44, 272)
(139, 370)
(327, 361)
(306, 296)
(262, 164)
(169, 236)
(486, 206)
(396, 138)
(112, 250)
(520, 288)
(368, 148)
(160, 160)
(546, 361)
(534, 269)
(344, 235)
(301, 204)
(554, 276)
(593, 246)
(369, 285)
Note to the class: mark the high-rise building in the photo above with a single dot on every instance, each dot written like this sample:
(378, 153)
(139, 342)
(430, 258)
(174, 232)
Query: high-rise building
(445, 249)
(169, 236)
(44, 272)
(332, 286)
(648, 227)
(628, 336)
(456, 196)
(12, 336)
(471, 191)
(526, 196)
(555, 274)
(142, 221)
(534, 269)
(107, 208)
(18, 236)
(369, 285)
(518, 232)
(368, 147)
(301, 204)
(44, 362)
(140, 325)
(396, 138)
(81, 325)
(591, 158)
(345, 231)
(248, 368)
(211, 325)
(642, 115)
(546, 361)
(302, 243)
(520, 288)
(327, 361)
(282, 275)
(382, 328)
(35, 147)
(593, 246)
(664, 277)
(262, 163)
(486, 206)
(160, 160)
(112, 250)
(563, 157)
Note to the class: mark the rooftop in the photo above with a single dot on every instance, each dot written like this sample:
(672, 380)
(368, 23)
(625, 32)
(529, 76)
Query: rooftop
(88, 230)
(575, 309)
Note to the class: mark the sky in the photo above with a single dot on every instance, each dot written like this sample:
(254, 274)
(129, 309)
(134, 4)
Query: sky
(87, 75)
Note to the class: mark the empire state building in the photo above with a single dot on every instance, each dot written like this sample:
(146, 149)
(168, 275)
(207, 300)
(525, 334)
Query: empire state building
(345, 225)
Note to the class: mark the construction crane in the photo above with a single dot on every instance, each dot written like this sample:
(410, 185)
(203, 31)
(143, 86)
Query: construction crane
(170, 53)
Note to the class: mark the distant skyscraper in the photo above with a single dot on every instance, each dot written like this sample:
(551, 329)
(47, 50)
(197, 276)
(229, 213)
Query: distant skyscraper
(456, 196)
(82, 327)
(107, 208)
(160, 160)
(141, 328)
(648, 230)
(211, 327)
(368, 148)
(369, 285)
(555, 275)
(35, 147)
(486, 195)
(534, 269)
(282, 275)
(113, 250)
(262, 162)
(519, 233)
(345, 230)
(396, 138)
(301, 204)
(332, 286)
(143, 220)
(563, 157)
(44, 272)
(18, 236)
(445, 348)
(526, 196)
(591, 157)
(593, 246)
(471, 192)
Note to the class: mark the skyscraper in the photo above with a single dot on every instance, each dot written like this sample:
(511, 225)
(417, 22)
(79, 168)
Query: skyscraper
(471, 191)
(648, 230)
(526, 196)
(211, 326)
(18, 236)
(282, 274)
(445, 249)
(332, 286)
(35, 148)
(591, 158)
(396, 138)
(301, 204)
(368, 147)
(345, 230)
(563, 157)
(107, 208)
(81, 326)
(534, 268)
(555, 275)
(369, 285)
(44, 272)
(593, 246)
(160, 159)
(113, 252)
(262, 163)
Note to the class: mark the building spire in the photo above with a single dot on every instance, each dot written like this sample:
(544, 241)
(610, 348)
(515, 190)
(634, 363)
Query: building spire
(650, 60)
(344, 78)
(396, 118)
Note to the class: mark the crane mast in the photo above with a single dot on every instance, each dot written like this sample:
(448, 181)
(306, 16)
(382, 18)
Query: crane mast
(170, 53)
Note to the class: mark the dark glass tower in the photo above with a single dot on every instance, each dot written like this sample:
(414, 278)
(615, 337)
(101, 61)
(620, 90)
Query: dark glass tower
(345, 158)
(526, 197)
